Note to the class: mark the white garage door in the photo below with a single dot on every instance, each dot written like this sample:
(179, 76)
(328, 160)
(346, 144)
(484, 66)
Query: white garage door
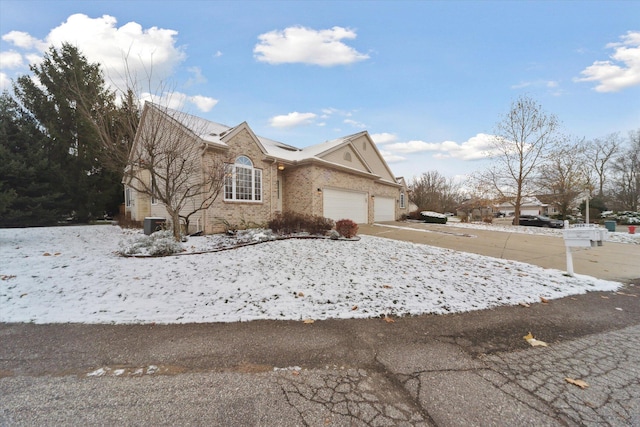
(385, 209)
(341, 204)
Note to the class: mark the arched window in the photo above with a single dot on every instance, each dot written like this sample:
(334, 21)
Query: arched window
(243, 182)
(347, 156)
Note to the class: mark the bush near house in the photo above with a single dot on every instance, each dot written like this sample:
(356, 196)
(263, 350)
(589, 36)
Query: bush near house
(347, 228)
(293, 222)
(624, 217)
(433, 217)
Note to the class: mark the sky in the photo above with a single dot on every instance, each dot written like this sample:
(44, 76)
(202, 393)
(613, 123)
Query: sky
(73, 274)
(429, 80)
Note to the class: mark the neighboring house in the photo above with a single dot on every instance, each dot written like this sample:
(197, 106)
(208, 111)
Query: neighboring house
(405, 206)
(474, 209)
(345, 178)
(528, 206)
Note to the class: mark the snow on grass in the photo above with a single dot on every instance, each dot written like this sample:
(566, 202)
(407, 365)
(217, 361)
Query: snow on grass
(73, 274)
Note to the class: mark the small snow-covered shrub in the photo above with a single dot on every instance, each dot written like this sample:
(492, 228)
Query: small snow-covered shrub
(347, 228)
(160, 243)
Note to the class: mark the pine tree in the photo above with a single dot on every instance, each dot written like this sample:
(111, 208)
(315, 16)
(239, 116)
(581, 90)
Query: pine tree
(63, 86)
(28, 194)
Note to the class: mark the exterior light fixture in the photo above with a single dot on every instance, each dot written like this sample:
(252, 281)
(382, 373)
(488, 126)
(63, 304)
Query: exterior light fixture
(280, 167)
(319, 190)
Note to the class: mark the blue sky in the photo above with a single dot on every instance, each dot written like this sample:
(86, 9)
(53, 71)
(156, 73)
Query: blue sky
(428, 80)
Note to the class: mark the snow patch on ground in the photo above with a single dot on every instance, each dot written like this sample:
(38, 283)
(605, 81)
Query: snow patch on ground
(73, 274)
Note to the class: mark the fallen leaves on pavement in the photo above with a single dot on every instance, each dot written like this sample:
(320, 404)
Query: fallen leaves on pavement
(534, 342)
(579, 383)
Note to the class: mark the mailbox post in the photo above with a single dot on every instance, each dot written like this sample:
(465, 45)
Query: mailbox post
(581, 236)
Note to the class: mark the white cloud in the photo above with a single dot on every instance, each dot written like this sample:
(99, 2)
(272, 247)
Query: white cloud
(475, 148)
(179, 100)
(174, 100)
(24, 40)
(355, 124)
(129, 55)
(621, 71)
(390, 157)
(197, 76)
(204, 103)
(145, 54)
(549, 84)
(413, 147)
(292, 119)
(5, 82)
(10, 59)
(383, 138)
(307, 46)
(33, 58)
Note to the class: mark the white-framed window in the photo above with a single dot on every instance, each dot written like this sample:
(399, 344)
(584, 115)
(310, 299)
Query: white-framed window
(402, 200)
(154, 189)
(243, 182)
(127, 197)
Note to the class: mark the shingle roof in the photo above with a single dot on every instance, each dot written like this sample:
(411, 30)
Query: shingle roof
(213, 133)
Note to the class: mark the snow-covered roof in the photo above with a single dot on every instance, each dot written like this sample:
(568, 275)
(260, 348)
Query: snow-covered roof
(214, 133)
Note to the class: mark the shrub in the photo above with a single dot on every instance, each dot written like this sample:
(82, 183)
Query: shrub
(125, 221)
(160, 243)
(347, 228)
(293, 222)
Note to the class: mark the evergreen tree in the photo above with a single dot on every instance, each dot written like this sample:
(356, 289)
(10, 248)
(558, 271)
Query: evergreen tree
(63, 87)
(28, 194)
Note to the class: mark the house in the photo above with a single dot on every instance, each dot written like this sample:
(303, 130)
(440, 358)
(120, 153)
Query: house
(345, 178)
(528, 206)
(474, 209)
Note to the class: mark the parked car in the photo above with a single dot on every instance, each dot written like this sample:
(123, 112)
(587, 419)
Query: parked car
(539, 221)
(433, 217)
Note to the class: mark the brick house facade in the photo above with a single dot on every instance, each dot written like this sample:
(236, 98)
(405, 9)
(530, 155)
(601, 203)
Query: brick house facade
(343, 178)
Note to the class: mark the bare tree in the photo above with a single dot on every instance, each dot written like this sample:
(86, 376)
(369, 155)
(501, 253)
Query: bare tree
(522, 140)
(168, 162)
(627, 175)
(600, 153)
(432, 191)
(563, 176)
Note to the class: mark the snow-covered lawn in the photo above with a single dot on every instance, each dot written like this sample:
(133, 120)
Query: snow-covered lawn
(73, 274)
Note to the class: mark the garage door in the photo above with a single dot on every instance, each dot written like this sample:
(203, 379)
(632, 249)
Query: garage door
(385, 209)
(341, 204)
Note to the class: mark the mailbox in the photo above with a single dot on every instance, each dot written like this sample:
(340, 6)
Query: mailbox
(581, 236)
(584, 237)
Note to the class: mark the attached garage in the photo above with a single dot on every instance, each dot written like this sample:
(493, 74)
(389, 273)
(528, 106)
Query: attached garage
(343, 204)
(384, 209)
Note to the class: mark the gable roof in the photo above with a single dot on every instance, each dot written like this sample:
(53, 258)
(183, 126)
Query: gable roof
(218, 135)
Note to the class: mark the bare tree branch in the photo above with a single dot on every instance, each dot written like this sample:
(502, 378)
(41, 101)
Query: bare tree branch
(523, 138)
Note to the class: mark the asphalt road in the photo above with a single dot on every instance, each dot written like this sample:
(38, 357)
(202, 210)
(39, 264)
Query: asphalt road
(460, 369)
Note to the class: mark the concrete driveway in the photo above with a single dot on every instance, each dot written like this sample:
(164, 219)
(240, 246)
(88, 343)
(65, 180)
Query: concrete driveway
(612, 261)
